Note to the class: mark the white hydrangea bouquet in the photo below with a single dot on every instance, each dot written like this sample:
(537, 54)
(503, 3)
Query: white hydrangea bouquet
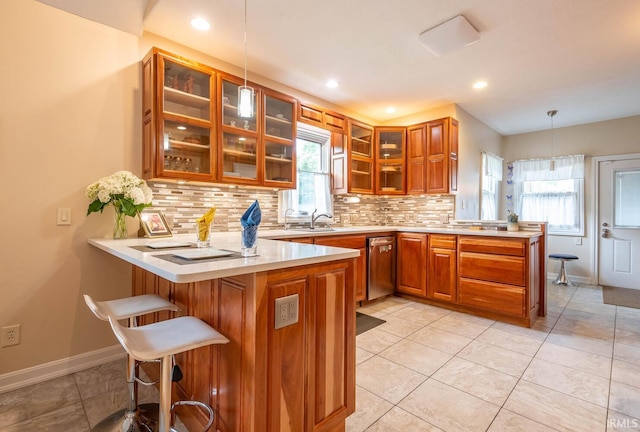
(127, 193)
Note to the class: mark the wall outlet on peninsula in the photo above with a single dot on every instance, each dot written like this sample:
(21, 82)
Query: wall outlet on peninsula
(286, 312)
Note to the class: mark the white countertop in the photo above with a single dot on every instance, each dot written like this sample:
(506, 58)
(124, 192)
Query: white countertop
(292, 233)
(272, 255)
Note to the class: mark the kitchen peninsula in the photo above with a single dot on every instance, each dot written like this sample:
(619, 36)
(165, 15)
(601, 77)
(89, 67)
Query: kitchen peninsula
(299, 377)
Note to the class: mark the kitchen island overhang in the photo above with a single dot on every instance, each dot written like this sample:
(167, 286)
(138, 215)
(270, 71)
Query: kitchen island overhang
(298, 377)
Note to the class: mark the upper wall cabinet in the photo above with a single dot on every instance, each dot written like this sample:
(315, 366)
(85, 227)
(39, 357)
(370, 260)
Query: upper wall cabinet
(178, 118)
(432, 157)
(259, 150)
(361, 158)
(390, 160)
(322, 118)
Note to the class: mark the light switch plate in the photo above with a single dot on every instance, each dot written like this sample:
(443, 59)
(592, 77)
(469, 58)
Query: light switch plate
(64, 216)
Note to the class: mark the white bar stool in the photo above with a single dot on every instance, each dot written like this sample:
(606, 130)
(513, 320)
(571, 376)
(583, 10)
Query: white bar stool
(135, 417)
(162, 340)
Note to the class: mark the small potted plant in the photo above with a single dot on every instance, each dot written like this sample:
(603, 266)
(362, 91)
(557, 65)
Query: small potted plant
(512, 221)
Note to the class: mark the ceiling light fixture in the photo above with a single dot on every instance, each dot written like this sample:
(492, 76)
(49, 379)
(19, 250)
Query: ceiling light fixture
(391, 110)
(480, 85)
(449, 36)
(332, 83)
(246, 94)
(181, 128)
(201, 24)
(552, 162)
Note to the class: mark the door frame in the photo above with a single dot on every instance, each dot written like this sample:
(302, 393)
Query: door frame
(595, 208)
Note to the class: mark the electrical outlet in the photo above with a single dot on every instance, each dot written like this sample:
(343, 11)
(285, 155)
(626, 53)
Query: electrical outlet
(411, 217)
(11, 335)
(286, 311)
(444, 218)
(346, 219)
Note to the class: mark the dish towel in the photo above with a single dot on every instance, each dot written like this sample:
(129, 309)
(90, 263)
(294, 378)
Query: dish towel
(250, 221)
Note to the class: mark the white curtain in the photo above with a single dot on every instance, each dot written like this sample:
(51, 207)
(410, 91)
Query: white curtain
(550, 190)
(491, 176)
(558, 168)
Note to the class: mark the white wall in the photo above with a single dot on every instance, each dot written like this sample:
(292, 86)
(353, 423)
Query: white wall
(620, 136)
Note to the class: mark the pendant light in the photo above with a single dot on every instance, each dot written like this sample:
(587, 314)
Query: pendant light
(552, 162)
(246, 94)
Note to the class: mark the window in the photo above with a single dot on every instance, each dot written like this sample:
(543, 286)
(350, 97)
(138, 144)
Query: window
(551, 190)
(313, 190)
(491, 177)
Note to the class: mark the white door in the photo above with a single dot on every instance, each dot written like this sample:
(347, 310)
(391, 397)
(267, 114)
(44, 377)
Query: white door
(619, 223)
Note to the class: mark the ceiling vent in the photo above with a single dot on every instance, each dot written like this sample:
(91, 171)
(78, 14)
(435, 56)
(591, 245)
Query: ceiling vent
(449, 36)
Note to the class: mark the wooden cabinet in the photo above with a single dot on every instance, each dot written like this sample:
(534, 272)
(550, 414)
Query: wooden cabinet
(178, 118)
(412, 263)
(320, 117)
(390, 169)
(361, 158)
(351, 242)
(442, 279)
(496, 274)
(299, 378)
(432, 157)
(259, 150)
(339, 164)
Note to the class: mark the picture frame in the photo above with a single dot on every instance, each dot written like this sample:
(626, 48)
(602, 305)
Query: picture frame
(154, 223)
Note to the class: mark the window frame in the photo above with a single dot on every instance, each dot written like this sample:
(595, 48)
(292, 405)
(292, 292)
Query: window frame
(325, 167)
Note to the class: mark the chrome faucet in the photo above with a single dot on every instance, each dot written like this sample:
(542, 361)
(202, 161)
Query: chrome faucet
(314, 218)
(286, 224)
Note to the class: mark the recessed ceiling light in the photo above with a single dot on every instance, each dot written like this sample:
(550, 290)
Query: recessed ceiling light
(480, 85)
(181, 128)
(332, 83)
(390, 110)
(201, 24)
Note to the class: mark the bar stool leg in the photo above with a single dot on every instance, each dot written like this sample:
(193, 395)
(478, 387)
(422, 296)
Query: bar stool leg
(164, 416)
(562, 278)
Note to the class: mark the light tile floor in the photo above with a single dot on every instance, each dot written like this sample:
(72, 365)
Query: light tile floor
(429, 369)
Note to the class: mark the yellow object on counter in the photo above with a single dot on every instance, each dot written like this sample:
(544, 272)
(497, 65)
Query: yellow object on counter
(204, 222)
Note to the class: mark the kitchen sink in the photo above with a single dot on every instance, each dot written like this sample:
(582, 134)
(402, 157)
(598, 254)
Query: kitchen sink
(317, 229)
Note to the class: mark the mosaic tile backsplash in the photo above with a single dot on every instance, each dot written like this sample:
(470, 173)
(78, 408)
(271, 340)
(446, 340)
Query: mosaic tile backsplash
(183, 203)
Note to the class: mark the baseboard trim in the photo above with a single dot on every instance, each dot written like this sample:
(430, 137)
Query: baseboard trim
(36, 374)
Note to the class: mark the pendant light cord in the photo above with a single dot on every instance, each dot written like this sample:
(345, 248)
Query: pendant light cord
(245, 43)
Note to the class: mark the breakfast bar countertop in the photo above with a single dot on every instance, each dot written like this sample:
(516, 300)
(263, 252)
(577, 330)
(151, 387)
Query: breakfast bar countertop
(272, 255)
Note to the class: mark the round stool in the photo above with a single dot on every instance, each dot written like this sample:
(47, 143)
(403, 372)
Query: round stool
(134, 417)
(562, 278)
(162, 340)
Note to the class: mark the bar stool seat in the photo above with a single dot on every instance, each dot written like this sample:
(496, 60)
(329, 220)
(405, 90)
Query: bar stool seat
(562, 278)
(135, 417)
(163, 340)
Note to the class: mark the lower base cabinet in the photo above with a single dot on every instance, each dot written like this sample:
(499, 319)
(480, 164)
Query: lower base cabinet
(298, 378)
(411, 263)
(442, 282)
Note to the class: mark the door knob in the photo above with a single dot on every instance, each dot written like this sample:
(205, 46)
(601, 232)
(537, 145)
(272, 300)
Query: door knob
(606, 233)
(604, 224)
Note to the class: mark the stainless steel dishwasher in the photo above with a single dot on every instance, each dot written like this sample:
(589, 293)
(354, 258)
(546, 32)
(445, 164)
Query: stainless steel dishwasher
(381, 266)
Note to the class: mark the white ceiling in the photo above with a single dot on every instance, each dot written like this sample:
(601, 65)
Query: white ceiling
(581, 57)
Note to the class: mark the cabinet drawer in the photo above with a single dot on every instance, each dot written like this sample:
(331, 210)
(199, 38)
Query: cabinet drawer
(493, 245)
(492, 296)
(350, 242)
(496, 268)
(442, 241)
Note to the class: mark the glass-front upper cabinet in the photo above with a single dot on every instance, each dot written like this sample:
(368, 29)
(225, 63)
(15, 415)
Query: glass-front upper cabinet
(390, 147)
(279, 134)
(361, 176)
(239, 145)
(178, 118)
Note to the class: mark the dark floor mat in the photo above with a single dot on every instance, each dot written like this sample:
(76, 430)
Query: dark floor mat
(366, 322)
(621, 296)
